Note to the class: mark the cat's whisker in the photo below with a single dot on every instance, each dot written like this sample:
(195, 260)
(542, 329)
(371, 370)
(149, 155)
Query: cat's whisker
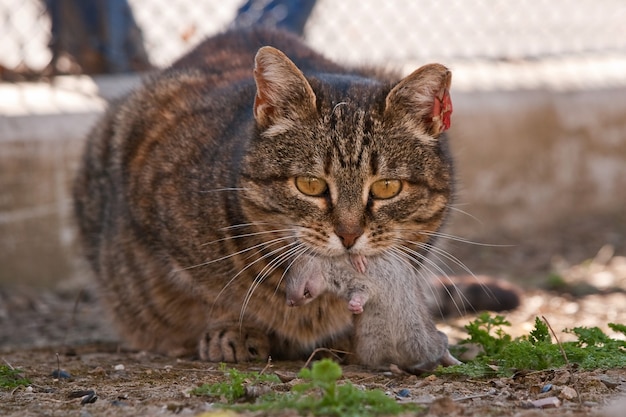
(265, 272)
(302, 251)
(257, 223)
(243, 235)
(261, 258)
(414, 264)
(421, 258)
(249, 265)
(460, 239)
(443, 255)
(212, 261)
(468, 214)
(217, 190)
(261, 276)
(409, 259)
(240, 225)
(428, 263)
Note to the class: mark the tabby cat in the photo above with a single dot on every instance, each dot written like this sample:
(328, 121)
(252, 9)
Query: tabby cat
(202, 193)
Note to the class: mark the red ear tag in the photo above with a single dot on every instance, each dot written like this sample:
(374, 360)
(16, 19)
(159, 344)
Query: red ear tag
(442, 110)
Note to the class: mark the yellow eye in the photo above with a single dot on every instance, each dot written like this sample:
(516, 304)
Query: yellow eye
(384, 189)
(311, 186)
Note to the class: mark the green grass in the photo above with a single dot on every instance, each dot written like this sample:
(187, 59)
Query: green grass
(320, 393)
(235, 388)
(11, 378)
(503, 355)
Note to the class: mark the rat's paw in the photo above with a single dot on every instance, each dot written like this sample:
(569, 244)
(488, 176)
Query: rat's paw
(357, 301)
(233, 344)
(359, 263)
(355, 307)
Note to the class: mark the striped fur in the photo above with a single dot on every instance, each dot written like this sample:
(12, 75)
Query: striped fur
(192, 220)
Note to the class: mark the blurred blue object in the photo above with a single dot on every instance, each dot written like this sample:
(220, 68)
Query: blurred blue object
(290, 15)
(100, 36)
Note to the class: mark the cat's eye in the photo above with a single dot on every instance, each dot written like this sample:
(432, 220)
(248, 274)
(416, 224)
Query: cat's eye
(384, 189)
(311, 186)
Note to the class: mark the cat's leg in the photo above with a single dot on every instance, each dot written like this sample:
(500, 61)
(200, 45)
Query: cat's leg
(231, 342)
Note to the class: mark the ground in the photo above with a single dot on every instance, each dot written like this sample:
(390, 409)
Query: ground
(63, 329)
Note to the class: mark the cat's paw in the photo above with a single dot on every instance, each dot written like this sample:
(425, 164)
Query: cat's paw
(234, 344)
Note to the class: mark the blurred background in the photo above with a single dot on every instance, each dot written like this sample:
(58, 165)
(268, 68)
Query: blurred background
(539, 128)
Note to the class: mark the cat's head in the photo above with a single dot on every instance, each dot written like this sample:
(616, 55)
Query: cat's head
(348, 164)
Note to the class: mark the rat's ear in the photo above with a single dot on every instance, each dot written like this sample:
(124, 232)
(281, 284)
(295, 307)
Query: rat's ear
(422, 100)
(282, 90)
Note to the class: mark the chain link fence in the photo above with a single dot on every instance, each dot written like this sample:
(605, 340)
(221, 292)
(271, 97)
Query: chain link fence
(353, 31)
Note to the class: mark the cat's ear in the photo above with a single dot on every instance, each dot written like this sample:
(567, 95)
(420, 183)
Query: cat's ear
(283, 93)
(422, 100)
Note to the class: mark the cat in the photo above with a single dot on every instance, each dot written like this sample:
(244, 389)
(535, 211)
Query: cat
(201, 192)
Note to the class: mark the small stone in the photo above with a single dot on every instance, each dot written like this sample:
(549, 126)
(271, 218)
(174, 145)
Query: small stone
(98, 371)
(61, 374)
(609, 383)
(285, 376)
(431, 378)
(89, 399)
(548, 402)
(85, 413)
(404, 393)
(81, 393)
(568, 393)
(562, 378)
(119, 367)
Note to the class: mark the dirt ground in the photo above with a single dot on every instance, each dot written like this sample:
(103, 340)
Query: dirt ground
(64, 329)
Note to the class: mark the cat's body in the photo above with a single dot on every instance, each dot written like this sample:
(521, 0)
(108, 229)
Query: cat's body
(199, 190)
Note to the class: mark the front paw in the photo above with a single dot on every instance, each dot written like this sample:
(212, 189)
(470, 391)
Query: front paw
(359, 263)
(233, 344)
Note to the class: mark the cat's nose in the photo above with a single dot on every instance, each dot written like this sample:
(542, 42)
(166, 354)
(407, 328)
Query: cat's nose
(348, 234)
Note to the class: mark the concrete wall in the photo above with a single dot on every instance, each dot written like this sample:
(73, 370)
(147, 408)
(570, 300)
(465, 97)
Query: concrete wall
(533, 167)
(528, 160)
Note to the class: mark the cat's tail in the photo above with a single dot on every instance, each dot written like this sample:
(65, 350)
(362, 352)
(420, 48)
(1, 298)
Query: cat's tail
(459, 295)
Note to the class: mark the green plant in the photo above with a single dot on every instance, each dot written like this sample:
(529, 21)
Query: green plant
(503, 355)
(319, 394)
(488, 332)
(11, 378)
(235, 388)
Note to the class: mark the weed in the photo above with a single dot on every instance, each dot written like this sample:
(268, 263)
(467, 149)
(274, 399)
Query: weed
(319, 394)
(324, 397)
(503, 355)
(481, 332)
(11, 378)
(235, 388)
